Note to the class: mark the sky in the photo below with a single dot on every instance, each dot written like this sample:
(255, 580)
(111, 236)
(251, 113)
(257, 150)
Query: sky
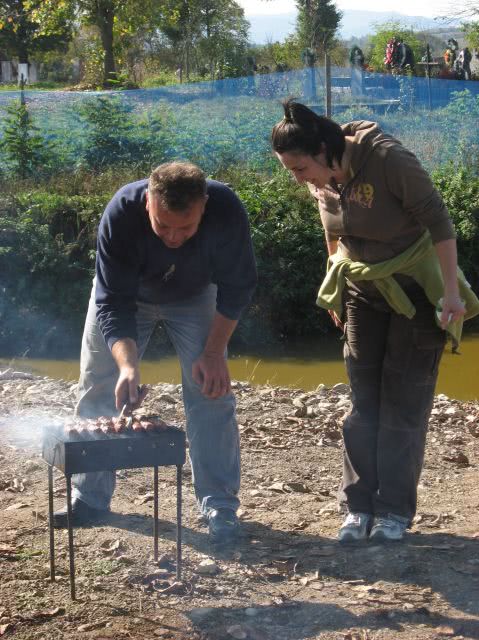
(428, 8)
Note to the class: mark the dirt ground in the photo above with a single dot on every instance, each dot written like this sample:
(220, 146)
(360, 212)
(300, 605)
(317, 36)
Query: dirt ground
(286, 579)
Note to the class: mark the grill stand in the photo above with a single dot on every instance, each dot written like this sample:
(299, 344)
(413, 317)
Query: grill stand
(71, 553)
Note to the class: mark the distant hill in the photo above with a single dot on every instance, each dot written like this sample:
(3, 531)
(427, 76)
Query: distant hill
(360, 23)
(355, 23)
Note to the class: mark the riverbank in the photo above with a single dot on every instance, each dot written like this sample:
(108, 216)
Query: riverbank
(301, 364)
(287, 579)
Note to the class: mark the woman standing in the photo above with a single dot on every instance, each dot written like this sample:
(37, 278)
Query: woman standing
(392, 259)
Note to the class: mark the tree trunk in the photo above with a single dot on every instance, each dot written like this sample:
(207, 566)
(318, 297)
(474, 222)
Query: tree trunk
(105, 16)
(22, 42)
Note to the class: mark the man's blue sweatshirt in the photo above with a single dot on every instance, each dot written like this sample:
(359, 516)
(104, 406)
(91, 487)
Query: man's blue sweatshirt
(133, 264)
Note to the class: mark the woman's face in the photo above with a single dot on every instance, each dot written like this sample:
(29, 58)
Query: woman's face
(306, 168)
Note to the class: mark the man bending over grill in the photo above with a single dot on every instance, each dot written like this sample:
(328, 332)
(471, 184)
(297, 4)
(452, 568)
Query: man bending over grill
(174, 248)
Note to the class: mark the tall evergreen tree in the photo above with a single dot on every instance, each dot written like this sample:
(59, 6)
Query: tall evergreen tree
(24, 148)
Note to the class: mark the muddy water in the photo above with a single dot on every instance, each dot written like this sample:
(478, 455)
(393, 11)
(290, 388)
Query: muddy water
(306, 367)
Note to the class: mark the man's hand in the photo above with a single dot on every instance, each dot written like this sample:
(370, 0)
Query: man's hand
(210, 371)
(127, 390)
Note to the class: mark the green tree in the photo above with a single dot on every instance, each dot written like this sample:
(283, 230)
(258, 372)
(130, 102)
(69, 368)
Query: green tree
(24, 148)
(224, 36)
(22, 33)
(115, 135)
(379, 40)
(471, 33)
(181, 27)
(286, 53)
(115, 19)
(317, 24)
(211, 33)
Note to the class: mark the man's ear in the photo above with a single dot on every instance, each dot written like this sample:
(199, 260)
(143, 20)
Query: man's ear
(147, 200)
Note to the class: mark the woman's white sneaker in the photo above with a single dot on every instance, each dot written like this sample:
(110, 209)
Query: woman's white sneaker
(355, 527)
(388, 528)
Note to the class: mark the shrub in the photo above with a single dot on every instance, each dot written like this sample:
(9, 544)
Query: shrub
(459, 186)
(47, 249)
(115, 135)
(46, 264)
(290, 252)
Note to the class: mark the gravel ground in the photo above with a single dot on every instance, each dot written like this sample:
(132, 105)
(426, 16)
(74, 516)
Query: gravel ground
(286, 578)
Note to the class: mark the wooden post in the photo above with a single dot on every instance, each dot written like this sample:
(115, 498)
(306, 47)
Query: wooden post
(327, 73)
(427, 64)
(428, 75)
(22, 90)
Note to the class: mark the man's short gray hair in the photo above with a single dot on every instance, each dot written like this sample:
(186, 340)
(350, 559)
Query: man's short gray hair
(177, 185)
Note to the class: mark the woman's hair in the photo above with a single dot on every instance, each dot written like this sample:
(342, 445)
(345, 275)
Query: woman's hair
(303, 131)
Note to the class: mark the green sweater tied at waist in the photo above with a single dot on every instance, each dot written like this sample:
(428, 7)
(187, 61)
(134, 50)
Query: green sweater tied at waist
(419, 261)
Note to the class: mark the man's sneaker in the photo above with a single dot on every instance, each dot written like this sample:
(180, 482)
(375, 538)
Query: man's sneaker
(355, 527)
(223, 525)
(388, 528)
(82, 514)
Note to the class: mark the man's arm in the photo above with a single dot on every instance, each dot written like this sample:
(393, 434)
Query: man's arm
(117, 268)
(210, 370)
(118, 264)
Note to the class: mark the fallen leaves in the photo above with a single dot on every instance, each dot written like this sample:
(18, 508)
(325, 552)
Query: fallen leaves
(458, 457)
(16, 506)
(92, 626)
(361, 634)
(148, 497)
(47, 614)
(7, 550)
(15, 485)
(112, 547)
(208, 567)
(289, 487)
(445, 631)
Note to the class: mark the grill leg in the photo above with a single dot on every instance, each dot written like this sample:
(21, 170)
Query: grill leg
(155, 513)
(178, 521)
(70, 536)
(50, 523)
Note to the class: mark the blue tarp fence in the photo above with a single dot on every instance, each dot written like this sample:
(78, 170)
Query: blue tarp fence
(229, 121)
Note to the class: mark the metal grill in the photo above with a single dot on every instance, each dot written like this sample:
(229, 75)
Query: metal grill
(89, 452)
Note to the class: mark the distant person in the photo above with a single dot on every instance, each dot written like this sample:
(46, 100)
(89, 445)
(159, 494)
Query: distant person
(464, 62)
(392, 272)
(356, 57)
(176, 249)
(390, 53)
(403, 56)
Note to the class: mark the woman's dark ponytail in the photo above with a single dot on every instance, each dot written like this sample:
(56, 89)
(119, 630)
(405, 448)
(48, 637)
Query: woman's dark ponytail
(303, 131)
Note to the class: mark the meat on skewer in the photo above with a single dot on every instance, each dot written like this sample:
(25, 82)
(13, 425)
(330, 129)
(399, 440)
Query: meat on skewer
(72, 430)
(106, 425)
(153, 423)
(137, 426)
